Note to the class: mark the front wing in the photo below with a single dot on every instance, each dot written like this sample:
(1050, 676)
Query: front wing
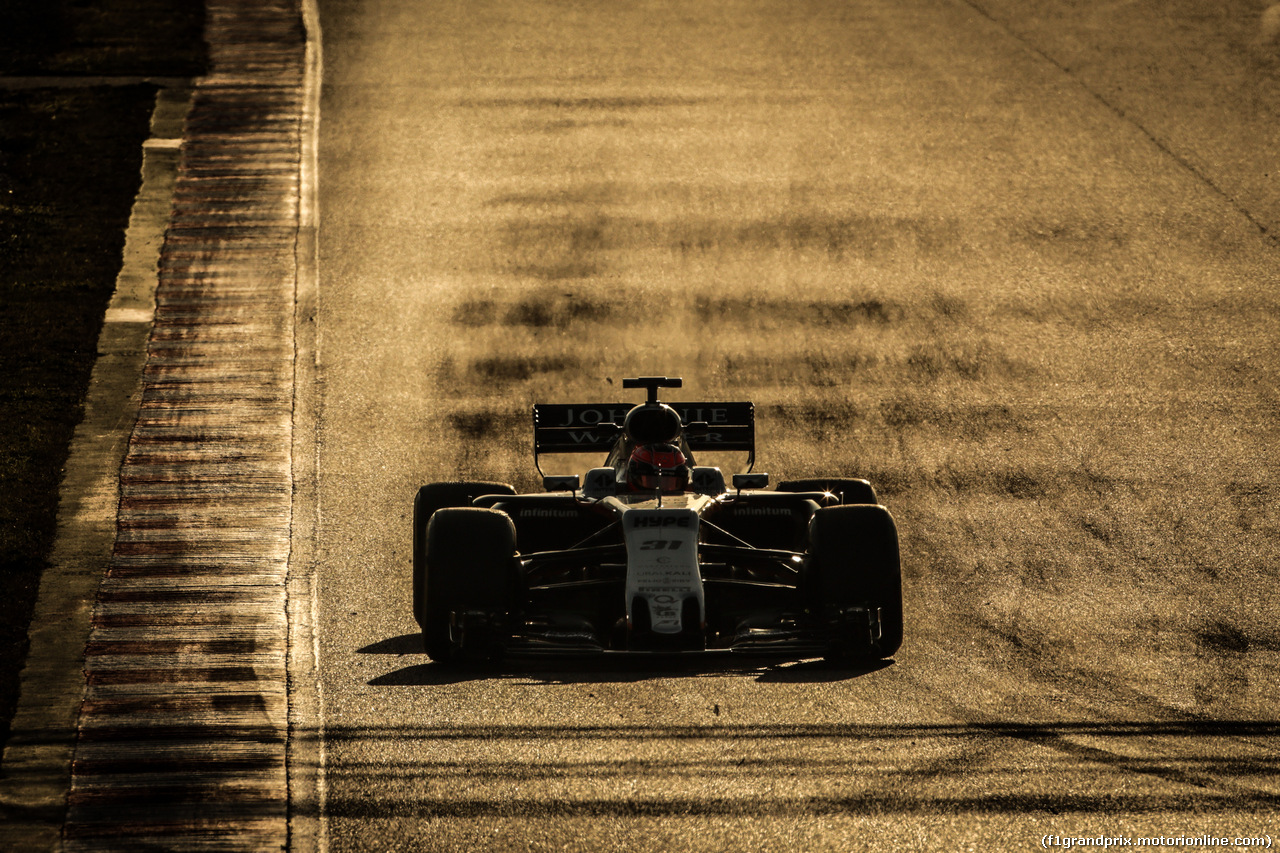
(580, 601)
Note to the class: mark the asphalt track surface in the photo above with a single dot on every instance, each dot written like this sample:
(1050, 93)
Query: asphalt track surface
(480, 151)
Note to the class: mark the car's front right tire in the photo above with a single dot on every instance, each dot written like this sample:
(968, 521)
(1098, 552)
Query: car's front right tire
(469, 568)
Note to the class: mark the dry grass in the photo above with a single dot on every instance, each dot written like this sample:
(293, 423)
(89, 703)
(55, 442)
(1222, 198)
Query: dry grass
(69, 169)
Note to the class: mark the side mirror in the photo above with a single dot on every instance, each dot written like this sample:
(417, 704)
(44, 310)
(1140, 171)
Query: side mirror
(600, 483)
(560, 483)
(707, 480)
(750, 481)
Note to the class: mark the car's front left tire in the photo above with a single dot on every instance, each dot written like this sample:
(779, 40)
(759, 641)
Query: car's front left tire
(854, 563)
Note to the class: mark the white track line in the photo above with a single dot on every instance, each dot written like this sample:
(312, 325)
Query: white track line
(308, 823)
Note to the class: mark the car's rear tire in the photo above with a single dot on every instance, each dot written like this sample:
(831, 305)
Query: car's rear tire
(470, 566)
(847, 491)
(432, 497)
(854, 562)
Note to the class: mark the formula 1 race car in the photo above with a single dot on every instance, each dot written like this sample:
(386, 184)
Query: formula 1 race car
(652, 552)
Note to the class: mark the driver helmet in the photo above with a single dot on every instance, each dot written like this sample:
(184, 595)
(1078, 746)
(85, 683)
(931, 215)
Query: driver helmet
(657, 467)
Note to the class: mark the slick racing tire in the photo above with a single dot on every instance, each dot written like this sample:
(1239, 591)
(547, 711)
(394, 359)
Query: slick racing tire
(430, 498)
(470, 566)
(846, 491)
(854, 562)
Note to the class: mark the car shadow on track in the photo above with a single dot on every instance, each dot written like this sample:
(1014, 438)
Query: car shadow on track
(609, 669)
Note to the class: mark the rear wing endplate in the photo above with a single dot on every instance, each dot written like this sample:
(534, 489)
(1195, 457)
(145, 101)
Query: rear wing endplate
(593, 428)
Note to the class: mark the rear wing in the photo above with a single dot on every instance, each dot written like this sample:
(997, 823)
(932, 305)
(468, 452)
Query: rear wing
(593, 428)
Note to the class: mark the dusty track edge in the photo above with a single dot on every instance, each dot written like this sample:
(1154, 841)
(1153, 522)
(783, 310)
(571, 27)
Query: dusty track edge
(305, 750)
